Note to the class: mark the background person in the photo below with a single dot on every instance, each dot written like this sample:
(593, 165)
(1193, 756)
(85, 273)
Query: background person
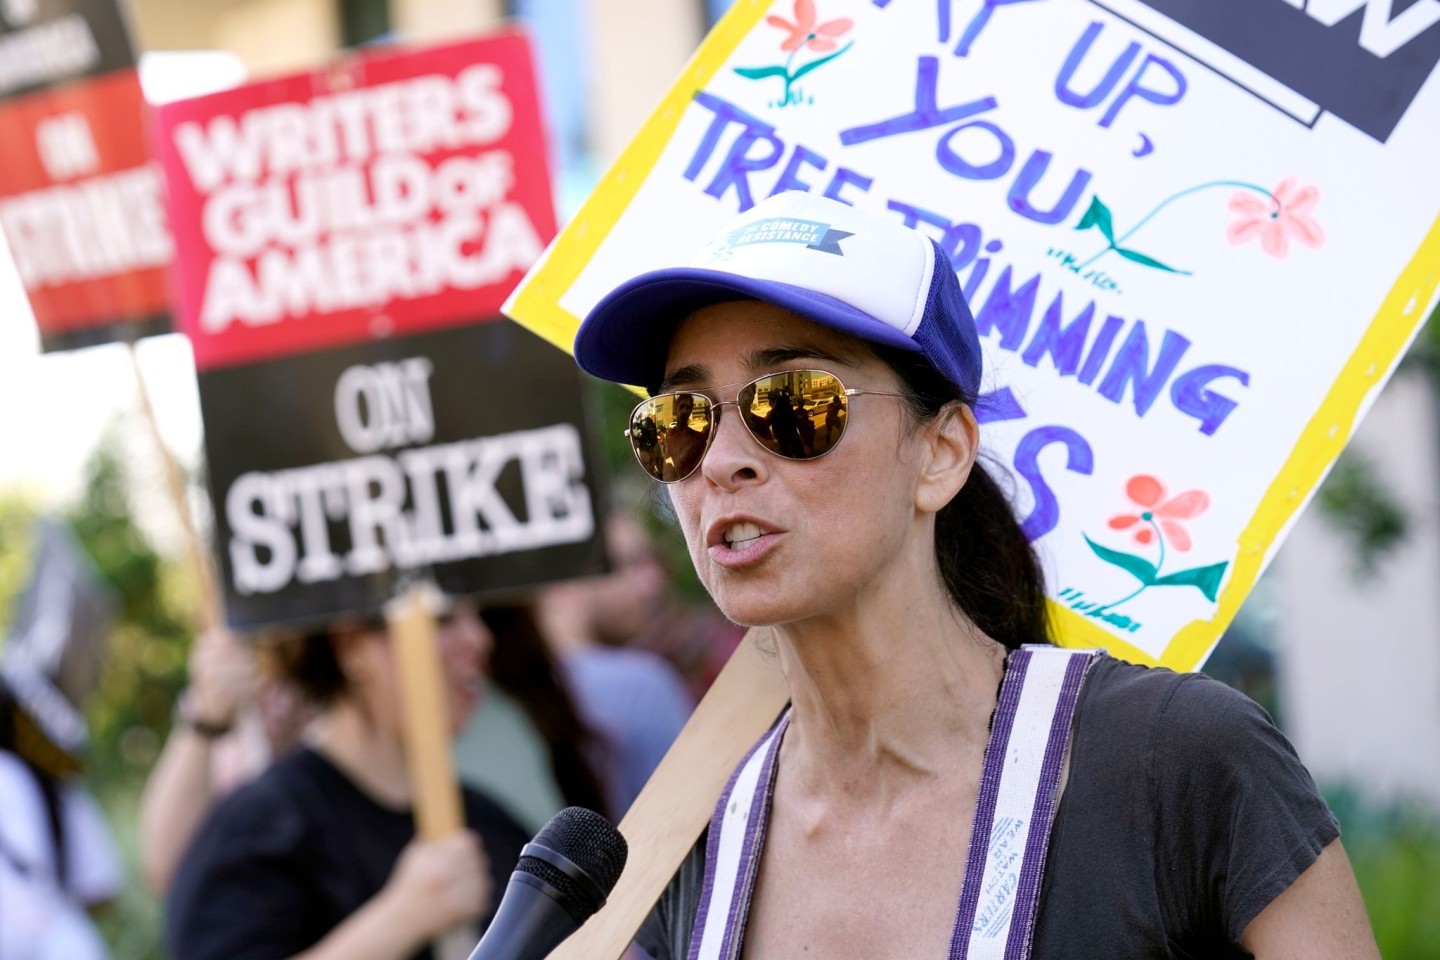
(634, 698)
(317, 857)
(895, 581)
(58, 863)
(529, 746)
(682, 440)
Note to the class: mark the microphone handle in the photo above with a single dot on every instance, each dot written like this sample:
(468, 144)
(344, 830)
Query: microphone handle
(529, 924)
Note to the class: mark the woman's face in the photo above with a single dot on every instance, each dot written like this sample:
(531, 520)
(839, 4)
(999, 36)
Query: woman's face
(465, 645)
(775, 540)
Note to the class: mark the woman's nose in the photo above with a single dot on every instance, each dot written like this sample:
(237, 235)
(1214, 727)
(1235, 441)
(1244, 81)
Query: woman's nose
(734, 456)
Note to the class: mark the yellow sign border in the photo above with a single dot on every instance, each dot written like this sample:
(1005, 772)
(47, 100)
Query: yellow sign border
(1400, 314)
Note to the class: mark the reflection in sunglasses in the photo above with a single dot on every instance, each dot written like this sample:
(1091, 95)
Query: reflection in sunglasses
(797, 414)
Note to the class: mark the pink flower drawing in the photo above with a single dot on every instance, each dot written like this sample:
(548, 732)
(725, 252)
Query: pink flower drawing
(1276, 219)
(805, 32)
(1148, 494)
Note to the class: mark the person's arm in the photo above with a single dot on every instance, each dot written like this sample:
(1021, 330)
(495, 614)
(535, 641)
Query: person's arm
(177, 797)
(1320, 917)
(179, 791)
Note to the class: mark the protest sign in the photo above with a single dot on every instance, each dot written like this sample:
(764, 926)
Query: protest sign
(345, 239)
(57, 640)
(1196, 238)
(460, 452)
(83, 211)
(45, 42)
(396, 192)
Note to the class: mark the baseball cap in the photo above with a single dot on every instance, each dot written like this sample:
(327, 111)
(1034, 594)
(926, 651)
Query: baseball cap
(855, 271)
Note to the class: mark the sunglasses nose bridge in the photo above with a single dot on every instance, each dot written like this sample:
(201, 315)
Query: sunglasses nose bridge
(718, 422)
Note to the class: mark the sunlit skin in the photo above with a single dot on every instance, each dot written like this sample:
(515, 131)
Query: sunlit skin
(891, 686)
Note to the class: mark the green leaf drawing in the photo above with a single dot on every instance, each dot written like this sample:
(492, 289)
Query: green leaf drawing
(1138, 567)
(1205, 579)
(760, 73)
(1098, 215)
(823, 60)
(1140, 258)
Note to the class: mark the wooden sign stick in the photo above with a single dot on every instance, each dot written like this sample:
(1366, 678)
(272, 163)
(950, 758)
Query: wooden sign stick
(210, 615)
(425, 722)
(677, 802)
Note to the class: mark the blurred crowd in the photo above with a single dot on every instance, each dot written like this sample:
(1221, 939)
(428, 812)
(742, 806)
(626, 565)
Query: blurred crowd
(277, 819)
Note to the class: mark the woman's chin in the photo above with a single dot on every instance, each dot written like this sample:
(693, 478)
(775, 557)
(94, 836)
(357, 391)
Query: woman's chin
(757, 611)
(462, 710)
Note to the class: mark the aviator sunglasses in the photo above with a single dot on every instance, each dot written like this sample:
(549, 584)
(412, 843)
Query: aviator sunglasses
(797, 415)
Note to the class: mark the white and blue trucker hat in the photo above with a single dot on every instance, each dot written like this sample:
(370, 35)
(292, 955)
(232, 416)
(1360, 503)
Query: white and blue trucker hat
(858, 272)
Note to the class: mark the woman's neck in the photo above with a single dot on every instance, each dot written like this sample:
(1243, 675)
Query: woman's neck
(887, 691)
(371, 757)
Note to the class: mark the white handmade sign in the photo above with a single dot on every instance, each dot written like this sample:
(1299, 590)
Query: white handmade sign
(1197, 235)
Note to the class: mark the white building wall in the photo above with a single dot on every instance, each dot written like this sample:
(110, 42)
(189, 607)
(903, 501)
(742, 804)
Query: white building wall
(1359, 674)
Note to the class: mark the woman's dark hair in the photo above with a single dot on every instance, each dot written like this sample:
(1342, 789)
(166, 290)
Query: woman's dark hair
(522, 665)
(986, 562)
(306, 660)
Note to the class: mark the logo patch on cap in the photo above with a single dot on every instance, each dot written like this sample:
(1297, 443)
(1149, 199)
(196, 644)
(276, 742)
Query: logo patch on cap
(811, 234)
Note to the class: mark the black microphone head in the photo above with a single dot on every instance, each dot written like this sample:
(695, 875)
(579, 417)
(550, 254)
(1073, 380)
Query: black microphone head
(590, 842)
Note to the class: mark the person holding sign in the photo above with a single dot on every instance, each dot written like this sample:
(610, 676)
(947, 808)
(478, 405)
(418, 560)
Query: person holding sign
(946, 781)
(317, 858)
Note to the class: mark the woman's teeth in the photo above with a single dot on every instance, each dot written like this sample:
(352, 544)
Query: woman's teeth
(741, 535)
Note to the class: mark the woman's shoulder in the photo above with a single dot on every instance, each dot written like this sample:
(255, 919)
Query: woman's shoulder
(1173, 727)
(275, 806)
(1119, 692)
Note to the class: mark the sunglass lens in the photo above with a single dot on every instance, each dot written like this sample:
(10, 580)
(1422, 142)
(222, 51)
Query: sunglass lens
(669, 433)
(799, 414)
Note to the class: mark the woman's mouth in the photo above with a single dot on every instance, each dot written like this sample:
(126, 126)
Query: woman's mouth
(741, 535)
(742, 544)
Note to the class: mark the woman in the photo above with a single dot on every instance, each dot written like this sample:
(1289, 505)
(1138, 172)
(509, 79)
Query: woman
(317, 857)
(898, 585)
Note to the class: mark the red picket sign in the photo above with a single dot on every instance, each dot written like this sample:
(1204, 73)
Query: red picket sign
(82, 208)
(395, 193)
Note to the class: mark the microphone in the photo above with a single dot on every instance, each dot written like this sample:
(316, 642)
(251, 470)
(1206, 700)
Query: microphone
(564, 876)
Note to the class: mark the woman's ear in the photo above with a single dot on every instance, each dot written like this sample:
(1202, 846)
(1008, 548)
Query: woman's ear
(953, 439)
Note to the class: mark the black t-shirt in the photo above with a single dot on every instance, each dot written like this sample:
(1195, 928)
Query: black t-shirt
(283, 860)
(1186, 812)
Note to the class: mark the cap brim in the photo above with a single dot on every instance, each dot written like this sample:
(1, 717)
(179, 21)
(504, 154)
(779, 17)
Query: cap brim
(626, 337)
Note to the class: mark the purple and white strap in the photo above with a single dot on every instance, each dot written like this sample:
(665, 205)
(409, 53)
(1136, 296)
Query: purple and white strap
(732, 852)
(1019, 790)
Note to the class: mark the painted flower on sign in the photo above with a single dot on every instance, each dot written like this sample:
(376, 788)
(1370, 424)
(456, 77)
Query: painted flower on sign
(805, 31)
(1160, 516)
(1277, 219)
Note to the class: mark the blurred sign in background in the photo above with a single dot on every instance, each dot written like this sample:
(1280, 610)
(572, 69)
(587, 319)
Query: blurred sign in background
(345, 238)
(81, 203)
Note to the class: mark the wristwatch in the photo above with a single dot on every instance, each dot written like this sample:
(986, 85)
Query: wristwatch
(185, 715)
